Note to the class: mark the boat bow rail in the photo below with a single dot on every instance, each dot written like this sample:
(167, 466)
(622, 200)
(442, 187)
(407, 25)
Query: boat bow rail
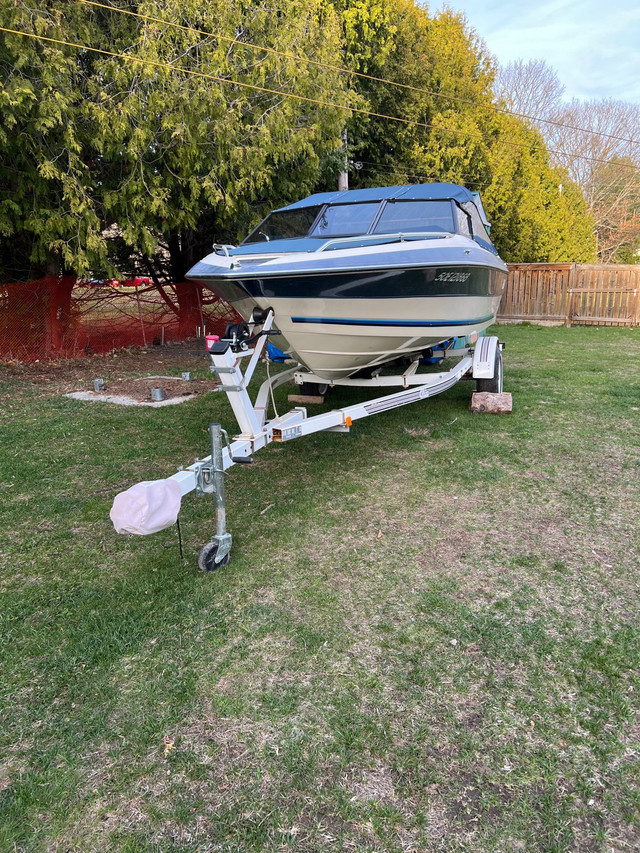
(135, 510)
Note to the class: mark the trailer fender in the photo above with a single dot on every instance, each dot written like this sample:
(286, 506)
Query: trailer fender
(484, 357)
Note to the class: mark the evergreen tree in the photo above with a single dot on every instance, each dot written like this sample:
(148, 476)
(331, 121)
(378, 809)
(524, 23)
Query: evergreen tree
(539, 214)
(136, 158)
(455, 131)
(109, 162)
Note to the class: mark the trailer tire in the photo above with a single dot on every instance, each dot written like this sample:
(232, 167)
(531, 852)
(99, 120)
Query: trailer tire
(207, 558)
(496, 384)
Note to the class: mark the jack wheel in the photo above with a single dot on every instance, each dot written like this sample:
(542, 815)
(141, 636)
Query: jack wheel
(207, 558)
(315, 389)
(495, 385)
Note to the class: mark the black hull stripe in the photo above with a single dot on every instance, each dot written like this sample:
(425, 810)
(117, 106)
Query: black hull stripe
(340, 321)
(246, 274)
(432, 282)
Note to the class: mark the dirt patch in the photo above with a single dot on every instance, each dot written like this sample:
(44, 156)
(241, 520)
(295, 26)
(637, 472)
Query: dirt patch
(52, 378)
(147, 390)
(140, 389)
(128, 375)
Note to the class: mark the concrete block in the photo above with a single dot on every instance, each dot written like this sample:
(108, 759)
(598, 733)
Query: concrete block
(493, 404)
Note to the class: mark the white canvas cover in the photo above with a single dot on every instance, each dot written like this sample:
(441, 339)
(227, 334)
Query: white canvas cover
(146, 507)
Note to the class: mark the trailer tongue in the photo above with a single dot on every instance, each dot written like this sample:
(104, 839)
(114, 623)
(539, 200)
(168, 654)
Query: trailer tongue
(151, 506)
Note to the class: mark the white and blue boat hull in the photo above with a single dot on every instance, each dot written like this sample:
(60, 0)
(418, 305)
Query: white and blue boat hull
(343, 311)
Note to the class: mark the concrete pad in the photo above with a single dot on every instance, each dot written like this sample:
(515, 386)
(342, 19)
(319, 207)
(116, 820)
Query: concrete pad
(121, 400)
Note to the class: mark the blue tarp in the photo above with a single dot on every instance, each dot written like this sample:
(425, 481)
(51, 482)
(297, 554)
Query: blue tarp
(276, 354)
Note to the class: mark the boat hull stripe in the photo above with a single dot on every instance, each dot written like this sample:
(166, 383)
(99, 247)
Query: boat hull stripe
(342, 321)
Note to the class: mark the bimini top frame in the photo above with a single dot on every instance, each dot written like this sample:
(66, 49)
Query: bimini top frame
(133, 510)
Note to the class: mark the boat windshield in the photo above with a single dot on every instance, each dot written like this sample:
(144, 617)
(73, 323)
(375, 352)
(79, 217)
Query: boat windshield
(354, 220)
(284, 224)
(345, 220)
(405, 217)
(476, 223)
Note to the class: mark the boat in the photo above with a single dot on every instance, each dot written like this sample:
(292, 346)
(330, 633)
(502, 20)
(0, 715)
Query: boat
(358, 279)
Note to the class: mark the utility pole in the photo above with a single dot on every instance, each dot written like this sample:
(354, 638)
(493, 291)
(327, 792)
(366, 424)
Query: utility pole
(343, 177)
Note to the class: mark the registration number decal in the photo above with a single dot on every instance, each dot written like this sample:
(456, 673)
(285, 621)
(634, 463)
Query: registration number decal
(453, 276)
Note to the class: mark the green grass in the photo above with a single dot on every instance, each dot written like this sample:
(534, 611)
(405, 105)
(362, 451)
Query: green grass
(429, 641)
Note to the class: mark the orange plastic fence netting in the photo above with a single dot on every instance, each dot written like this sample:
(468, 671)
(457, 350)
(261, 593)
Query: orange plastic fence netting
(60, 317)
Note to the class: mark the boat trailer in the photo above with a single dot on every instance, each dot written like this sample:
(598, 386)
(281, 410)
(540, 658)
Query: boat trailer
(151, 506)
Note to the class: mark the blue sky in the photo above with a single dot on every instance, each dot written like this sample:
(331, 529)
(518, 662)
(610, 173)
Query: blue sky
(594, 45)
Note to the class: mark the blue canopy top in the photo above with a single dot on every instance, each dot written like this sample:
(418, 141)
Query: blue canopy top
(426, 192)
(350, 213)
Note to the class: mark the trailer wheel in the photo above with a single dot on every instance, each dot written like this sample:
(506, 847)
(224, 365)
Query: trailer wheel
(207, 558)
(315, 389)
(494, 385)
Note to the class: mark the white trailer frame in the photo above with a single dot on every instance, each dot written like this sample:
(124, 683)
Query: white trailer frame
(206, 476)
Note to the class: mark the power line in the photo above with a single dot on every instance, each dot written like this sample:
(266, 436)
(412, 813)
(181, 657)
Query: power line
(340, 70)
(301, 98)
(368, 166)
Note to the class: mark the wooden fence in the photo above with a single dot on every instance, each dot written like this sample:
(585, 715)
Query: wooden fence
(584, 294)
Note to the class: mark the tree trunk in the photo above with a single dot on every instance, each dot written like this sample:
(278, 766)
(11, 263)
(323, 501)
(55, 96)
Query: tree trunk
(58, 296)
(59, 314)
(188, 294)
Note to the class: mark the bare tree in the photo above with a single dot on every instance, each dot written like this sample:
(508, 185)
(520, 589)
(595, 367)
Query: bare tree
(586, 134)
(598, 143)
(530, 89)
(615, 203)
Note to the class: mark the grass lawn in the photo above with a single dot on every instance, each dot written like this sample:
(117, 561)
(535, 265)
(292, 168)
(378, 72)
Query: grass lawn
(427, 639)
